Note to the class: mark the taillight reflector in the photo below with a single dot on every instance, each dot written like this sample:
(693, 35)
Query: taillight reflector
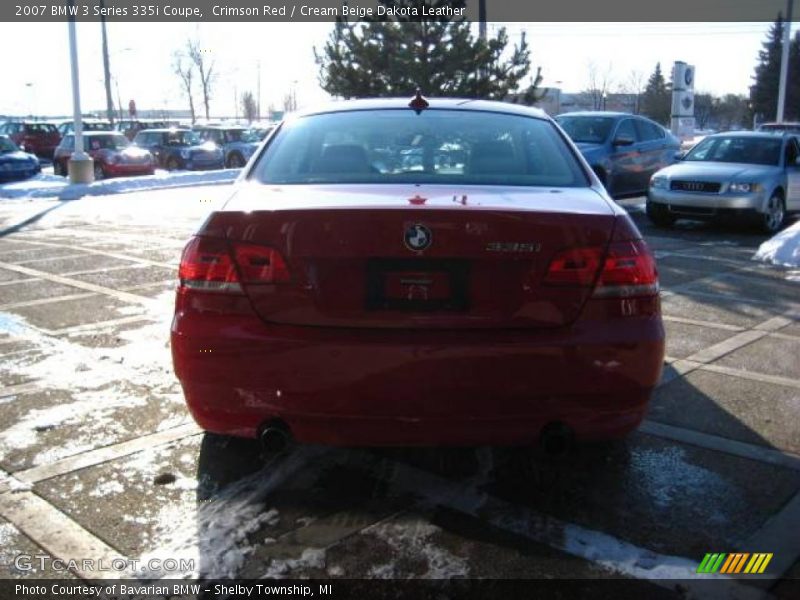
(207, 264)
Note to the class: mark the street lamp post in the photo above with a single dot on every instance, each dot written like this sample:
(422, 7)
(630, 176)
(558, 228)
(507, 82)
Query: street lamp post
(558, 97)
(80, 166)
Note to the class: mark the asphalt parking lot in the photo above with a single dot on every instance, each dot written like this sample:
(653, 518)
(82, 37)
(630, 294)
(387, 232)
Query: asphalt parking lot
(100, 459)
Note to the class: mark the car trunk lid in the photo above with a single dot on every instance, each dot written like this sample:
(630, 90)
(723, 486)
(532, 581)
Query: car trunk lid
(415, 257)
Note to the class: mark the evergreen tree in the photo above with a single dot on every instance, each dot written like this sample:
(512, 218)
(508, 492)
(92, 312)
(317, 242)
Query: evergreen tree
(392, 56)
(657, 97)
(764, 92)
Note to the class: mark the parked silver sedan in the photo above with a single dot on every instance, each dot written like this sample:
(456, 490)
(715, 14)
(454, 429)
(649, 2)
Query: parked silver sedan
(751, 174)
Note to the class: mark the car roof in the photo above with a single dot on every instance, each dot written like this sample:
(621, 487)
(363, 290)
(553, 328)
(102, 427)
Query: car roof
(164, 129)
(767, 135)
(465, 104)
(599, 113)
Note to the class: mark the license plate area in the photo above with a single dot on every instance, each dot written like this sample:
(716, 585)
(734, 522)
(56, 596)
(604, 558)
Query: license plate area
(417, 285)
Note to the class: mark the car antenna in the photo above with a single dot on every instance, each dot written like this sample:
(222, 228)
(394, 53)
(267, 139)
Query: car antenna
(418, 103)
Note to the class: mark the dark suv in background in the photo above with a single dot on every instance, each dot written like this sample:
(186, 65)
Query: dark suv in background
(180, 149)
(623, 149)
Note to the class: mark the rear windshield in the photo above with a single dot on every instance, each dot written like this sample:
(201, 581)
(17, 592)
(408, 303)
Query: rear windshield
(107, 142)
(89, 126)
(730, 149)
(34, 128)
(589, 130)
(436, 146)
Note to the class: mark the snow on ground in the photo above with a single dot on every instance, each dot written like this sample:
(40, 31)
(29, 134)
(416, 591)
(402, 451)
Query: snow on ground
(783, 248)
(48, 186)
(215, 533)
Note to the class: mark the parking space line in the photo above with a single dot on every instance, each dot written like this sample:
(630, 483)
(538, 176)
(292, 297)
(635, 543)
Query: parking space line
(134, 259)
(50, 300)
(594, 546)
(99, 326)
(124, 296)
(774, 323)
(46, 258)
(144, 286)
(58, 534)
(785, 336)
(752, 375)
(103, 270)
(709, 441)
(15, 281)
(133, 236)
(716, 351)
(779, 536)
(699, 323)
(98, 456)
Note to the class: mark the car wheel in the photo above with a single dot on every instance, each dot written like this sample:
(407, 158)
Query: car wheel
(659, 215)
(775, 214)
(172, 164)
(58, 169)
(235, 161)
(98, 172)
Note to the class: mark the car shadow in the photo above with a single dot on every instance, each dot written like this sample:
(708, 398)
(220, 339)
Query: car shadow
(655, 493)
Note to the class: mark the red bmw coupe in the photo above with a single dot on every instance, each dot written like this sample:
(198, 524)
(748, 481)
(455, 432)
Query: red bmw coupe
(442, 272)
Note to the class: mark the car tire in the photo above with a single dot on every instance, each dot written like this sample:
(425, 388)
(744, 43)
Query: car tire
(235, 161)
(771, 221)
(98, 172)
(58, 169)
(172, 164)
(659, 215)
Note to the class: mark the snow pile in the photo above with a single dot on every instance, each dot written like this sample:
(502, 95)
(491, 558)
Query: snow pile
(48, 186)
(782, 249)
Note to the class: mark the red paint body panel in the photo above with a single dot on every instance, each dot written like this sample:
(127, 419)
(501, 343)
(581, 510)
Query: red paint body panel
(403, 378)
(354, 387)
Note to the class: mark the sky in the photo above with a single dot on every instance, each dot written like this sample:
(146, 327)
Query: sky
(35, 71)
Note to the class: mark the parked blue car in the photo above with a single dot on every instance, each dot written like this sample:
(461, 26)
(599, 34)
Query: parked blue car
(179, 149)
(16, 165)
(237, 143)
(623, 149)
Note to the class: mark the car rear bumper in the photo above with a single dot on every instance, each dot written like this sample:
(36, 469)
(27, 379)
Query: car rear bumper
(368, 387)
(698, 203)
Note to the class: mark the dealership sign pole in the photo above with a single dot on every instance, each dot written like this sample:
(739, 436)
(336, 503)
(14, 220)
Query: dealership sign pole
(80, 164)
(682, 122)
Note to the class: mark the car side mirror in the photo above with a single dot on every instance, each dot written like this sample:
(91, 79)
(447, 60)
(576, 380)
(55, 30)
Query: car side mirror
(624, 140)
(679, 155)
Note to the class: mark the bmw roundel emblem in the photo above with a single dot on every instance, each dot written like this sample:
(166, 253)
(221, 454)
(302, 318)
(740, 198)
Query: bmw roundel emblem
(417, 237)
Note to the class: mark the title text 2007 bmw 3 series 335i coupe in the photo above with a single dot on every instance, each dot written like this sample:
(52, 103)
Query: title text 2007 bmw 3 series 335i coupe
(442, 272)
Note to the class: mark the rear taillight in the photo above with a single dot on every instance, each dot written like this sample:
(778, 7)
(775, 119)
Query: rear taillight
(625, 270)
(210, 264)
(629, 270)
(260, 264)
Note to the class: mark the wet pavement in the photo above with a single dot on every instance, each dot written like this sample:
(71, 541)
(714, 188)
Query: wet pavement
(94, 433)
